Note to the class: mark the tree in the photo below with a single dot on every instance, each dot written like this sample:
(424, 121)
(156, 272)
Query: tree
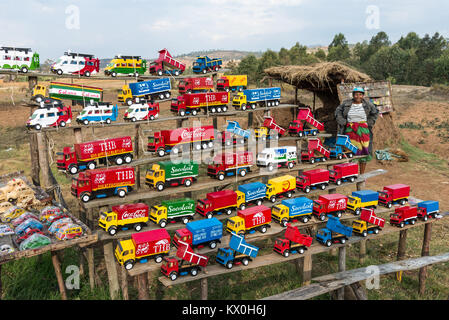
(441, 74)
(297, 53)
(320, 54)
(284, 57)
(248, 66)
(339, 49)
(411, 41)
(269, 59)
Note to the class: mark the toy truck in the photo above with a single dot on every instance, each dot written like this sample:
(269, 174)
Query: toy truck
(190, 262)
(277, 157)
(21, 59)
(76, 63)
(315, 151)
(85, 155)
(150, 90)
(289, 210)
(203, 101)
(167, 141)
(250, 98)
(206, 64)
(218, 202)
(368, 223)
(343, 147)
(334, 204)
(166, 64)
(344, 172)
(234, 134)
(200, 233)
(101, 112)
(293, 242)
(404, 215)
(230, 164)
(173, 210)
(238, 252)
(335, 232)
(427, 209)
(123, 217)
(101, 183)
(49, 116)
(128, 65)
(305, 118)
(253, 192)
(232, 83)
(68, 91)
(250, 220)
(168, 174)
(195, 85)
(280, 187)
(142, 110)
(311, 179)
(395, 193)
(142, 246)
(362, 199)
(269, 129)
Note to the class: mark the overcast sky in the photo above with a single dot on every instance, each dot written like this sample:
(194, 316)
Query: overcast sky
(107, 28)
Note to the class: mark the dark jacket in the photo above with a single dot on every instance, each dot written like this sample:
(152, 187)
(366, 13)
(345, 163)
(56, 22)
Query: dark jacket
(341, 115)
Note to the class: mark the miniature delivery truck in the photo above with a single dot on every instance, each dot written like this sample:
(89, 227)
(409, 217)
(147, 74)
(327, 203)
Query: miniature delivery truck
(218, 202)
(102, 112)
(403, 216)
(253, 192)
(239, 251)
(326, 204)
(168, 174)
(335, 232)
(315, 151)
(368, 223)
(68, 91)
(76, 63)
(343, 147)
(193, 103)
(195, 85)
(206, 64)
(362, 199)
(150, 90)
(84, 155)
(142, 246)
(232, 83)
(427, 209)
(299, 127)
(189, 262)
(250, 98)
(167, 141)
(396, 193)
(250, 220)
(234, 134)
(200, 233)
(173, 210)
(277, 157)
(269, 129)
(283, 186)
(293, 242)
(49, 116)
(289, 210)
(311, 179)
(128, 65)
(101, 183)
(230, 164)
(344, 172)
(142, 110)
(166, 64)
(21, 59)
(123, 217)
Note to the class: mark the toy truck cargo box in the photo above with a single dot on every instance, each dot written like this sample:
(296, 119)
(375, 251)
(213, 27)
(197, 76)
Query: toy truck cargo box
(428, 207)
(370, 217)
(234, 159)
(253, 191)
(366, 195)
(346, 169)
(232, 82)
(222, 199)
(110, 178)
(253, 95)
(128, 212)
(393, 193)
(316, 176)
(187, 135)
(255, 216)
(68, 91)
(179, 207)
(293, 234)
(206, 99)
(179, 170)
(238, 243)
(298, 206)
(143, 88)
(189, 85)
(329, 203)
(205, 230)
(186, 253)
(98, 149)
(151, 242)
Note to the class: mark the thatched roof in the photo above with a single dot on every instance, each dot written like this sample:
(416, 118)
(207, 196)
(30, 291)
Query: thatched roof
(317, 77)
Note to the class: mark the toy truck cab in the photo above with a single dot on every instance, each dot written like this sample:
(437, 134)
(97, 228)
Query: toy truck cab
(169, 266)
(80, 186)
(66, 159)
(404, 215)
(183, 235)
(49, 116)
(155, 175)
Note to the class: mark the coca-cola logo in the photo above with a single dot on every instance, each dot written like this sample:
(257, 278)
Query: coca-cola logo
(195, 133)
(100, 178)
(134, 214)
(88, 148)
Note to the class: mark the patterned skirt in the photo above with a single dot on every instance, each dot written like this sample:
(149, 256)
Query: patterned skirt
(358, 132)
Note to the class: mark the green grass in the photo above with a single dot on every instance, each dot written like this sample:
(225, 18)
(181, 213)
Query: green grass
(420, 156)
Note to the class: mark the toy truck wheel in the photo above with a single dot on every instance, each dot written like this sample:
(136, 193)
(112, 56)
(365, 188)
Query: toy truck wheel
(160, 186)
(133, 119)
(290, 165)
(273, 199)
(243, 107)
(173, 276)
(365, 233)
(350, 155)
(175, 150)
(59, 72)
(161, 96)
(213, 110)
(286, 253)
(376, 231)
(161, 152)
(85, 122)
(328, 243)
(188, 182)
(128, 159)
(121, 193)
(263, 229)
(24, 70)
(270, 167)
(338, 214)
(129, 265)
(108, 121)
(305, 219)
(129, 102)
(412, 221)
(213, 245)
(221, 176)
(91, 165)
(194, 272)
(300, 134)
(289, 194)
(73, 169)
(307, 189)
(176, 72)
(312, 160)
(219, 109)
(242, 207)
(323, 186)
(114, 74)
(62, 124)
(324, 159)
(357, 211)
(322, 217)
(338, 182)
(339, 157)
(243, 173)
(229, 265)
(425, 218)
(138, 227)
(87, 74)
(159, 72)
(352, 179)
(152, 117)
(158, 259)
(204, 145)
(402, 202)
(185, 220)
(85, 197)
(228, 211)
(402, 224)
(259, 202)
(37, 127)
(389, 205)
(118, 161)
(342, 240)
(224, 108)
(112, 231)
(209, 215)
(163, 223)
(284, 223)
(194, 112)
(245, 261)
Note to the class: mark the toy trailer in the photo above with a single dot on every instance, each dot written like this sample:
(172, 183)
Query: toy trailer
(277, 157)
(150, 90)
(396, 193)
(249, 193)
(362, 199)
(335, 232)
(206, 64)
(142, 246)
(167, 141)
(173, 210)
(200, 233)
(283, 186)
(344, 172)
(232, 83)
(85, 155)
(334, 204)
(195, 85)
(311, 179)
(239, 251)
(190, 262)
(427, 209)
(298, 126)
(166, 64)
(230, 164)
(368, 223)
(67, 91)
(270, 129)
(123, 217)
(403, 216)
(250, 220)
(293, 242)
(239, 134)
(168, 174)
(292, 209)
(218, 202)
(49, 116)
(315, 146)
(250, 98)
(101, 183)
(214, 102)
(141, 110)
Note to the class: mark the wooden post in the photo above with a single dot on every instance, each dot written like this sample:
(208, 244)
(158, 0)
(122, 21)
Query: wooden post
(250, 119)
(425, 252)
(32, 81)
(136, 154)
(34, 152)
(1, 289)
(78, 135)
(402, 246)
(204, 289)
(57, 267)
(142, 286)
(341, 267)
(307, 270)
(112, 271)
(124, 283)
(91, 266)
(43, 159)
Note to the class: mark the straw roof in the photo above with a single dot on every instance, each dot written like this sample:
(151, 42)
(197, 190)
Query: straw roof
(321, 76)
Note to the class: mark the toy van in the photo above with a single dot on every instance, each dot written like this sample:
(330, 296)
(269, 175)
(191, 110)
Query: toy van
(76, 63)
(98, 112)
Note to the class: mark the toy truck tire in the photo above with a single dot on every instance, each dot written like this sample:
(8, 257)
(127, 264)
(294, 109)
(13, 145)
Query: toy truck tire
(163, 223)
(364, 233)
(213, 244)
(158, 259)
(188, 182)
(284, 223)
(91, 165)
(338, 182)
(194, 112)
(161, 152)
(245, 261)
(138, 227)
(185, 220)
(37, 127)
(412, 222)
(221, 176)
(273, 199)
(424, 218)
(343, 240)
(312, 160)
(339, 156)
(307, 189)
(73, 169)
(85, 197)
(129, 264)
(322, 217)
(243, 172)
(182, 112)
(402, 202)
(323, 186)
(389, 205)
(290, 165)
(159, 72)
(194, 272)
(357, 211)
(376, 230)
(59, 72)
(229, 265)
(270, 167)
(305, 219)
(85, 122)
(128, 158)
(129, 101)
(263, 229)
(338, 214)
(352, 179)
(209, 215)
(328, 243)
(112, 231)
(242, 206)
(160, 186)
(259, 202)
(402, 224)
(286, 253)
(121, 193)
(173, 276)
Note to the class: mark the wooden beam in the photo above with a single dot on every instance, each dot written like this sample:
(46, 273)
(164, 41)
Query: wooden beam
(34, 153)
(91, 266)
(136, 153)
(402, 246)
(425, 252)
(124, 283)
(203, 289)
(142, 286)
(306, 270)
(111, 269)
(341, 268)
(57, 267)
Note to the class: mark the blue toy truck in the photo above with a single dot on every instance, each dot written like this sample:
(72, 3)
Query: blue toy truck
(238, 252)
(151, 89)
(200, 233)
(206, 64)
(297, 208)
(253, 192)
(234, 134)
(342, 146)
(250, 98)
(427, 209)
(335, 232)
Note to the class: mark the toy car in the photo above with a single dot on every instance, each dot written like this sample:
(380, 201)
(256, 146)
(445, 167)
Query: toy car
(36, 240)
(5, 230)
(69, 231)
(48, 211)
(12, 213)
(58, 224)
(55, 217)
(28, 232)
(28, 224)
(6, 248)
(23, 218)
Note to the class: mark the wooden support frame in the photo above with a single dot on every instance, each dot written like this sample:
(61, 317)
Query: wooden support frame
(111, 269)
(57, 267)
(425, 252)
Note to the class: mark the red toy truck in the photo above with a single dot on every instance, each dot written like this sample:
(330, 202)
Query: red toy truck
(248, 220)
(195, 85)
(317, 178)
(298, 126)
(85, 155)
(293, 242)
(334, 204)
(101, 183)
(403, 216)
(217, 202)
(195, 102)
(230, 164)
(395, 193)
(344, 172)
(167, 141)
(315, 151)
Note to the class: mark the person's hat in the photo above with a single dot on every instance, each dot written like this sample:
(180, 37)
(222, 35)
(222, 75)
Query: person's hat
(358, 89)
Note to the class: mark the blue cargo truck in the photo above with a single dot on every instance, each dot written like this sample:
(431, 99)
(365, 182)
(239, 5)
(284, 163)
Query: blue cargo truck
(239, 251)
(297, 208)
(200, 233)
(250, 98)
(206, 64)
(335, 232)
(253, 192)
(428, 208)
(362, 199)
(151, 90)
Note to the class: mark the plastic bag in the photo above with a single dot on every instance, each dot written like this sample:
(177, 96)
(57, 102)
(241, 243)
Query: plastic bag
(59, 223)
(49, 211)
(29, 223)
(36, 240)
(5, 230)
(22, 218)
